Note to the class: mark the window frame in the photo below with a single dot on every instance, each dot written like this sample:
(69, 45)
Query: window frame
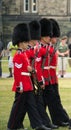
(26, 11)
(32, 2)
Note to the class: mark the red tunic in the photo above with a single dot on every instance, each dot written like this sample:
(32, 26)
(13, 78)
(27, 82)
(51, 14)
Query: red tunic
(32, 54)
(53, 65)
(43, 71)
(21, 73)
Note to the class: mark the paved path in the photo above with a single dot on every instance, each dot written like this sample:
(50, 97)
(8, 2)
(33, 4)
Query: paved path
(67, 75)
(5, 75)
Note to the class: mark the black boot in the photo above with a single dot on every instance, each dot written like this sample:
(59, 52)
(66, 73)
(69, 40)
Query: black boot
(64, 123)
(54, 126)
(11, 129)
(43, 128)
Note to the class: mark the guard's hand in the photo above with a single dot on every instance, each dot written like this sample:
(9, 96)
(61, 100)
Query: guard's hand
(20, 88)
(29, 68)
(21, 91)
(62, 54)
(42, 86)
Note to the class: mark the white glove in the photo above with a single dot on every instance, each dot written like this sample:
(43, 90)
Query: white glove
(21, 86)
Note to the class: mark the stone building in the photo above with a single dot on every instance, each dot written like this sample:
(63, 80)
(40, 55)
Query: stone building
(17, 11)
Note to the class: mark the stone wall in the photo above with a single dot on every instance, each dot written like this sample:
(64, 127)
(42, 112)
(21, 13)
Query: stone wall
(12, 13)
(1, 20)
(53, 7)
(11, 7)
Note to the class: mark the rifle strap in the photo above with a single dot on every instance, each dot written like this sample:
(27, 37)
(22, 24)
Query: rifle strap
(44, 58)
(52, 55)
(35, 55)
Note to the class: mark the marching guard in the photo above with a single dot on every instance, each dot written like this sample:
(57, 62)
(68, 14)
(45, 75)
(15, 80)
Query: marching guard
(23, 87)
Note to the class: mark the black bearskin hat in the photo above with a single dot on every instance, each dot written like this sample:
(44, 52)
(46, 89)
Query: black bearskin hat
(46, 27)
(56, 28)
(20, 33)
(35, 30)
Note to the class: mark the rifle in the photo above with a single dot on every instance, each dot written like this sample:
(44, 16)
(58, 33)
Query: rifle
(55, 49)
(37, 88)
(43, 62)
(34, 79)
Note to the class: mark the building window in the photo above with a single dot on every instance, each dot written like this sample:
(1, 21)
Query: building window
(34, 6)
(30, 6)
(26, 5)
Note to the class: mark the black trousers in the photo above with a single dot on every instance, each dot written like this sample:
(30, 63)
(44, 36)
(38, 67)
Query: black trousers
(24, 102)
(41, 109)
(52, 100)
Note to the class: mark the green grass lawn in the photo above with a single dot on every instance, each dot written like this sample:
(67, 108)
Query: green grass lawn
(7, 98)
